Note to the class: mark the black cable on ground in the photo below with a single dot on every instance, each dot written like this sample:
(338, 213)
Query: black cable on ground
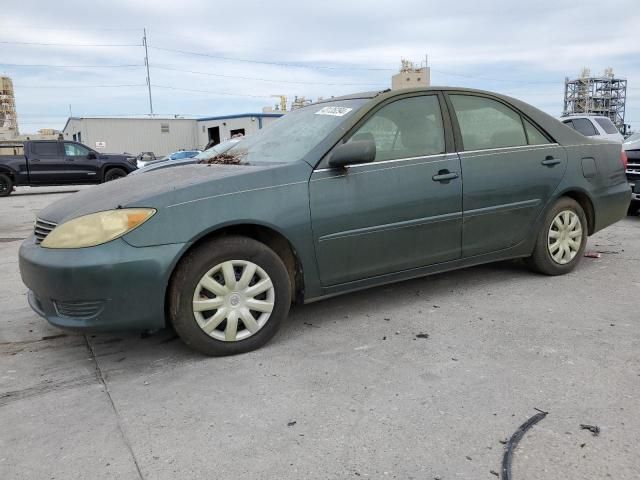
(513, 443)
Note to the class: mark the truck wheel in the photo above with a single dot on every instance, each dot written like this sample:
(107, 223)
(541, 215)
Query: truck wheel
(229, 296)
(561, 240)
(6, 185)
(114, 174)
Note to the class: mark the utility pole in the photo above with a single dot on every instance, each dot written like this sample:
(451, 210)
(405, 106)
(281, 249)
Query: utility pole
(146, 62)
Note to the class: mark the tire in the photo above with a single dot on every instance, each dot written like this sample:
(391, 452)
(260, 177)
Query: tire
(210, 261)
(634, 208)
(114, 174)
(543, 260)
(6, 185)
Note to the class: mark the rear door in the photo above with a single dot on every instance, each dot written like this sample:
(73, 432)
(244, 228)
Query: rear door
(510, 169)
(399, 212)
(80, 167)
(46, 163)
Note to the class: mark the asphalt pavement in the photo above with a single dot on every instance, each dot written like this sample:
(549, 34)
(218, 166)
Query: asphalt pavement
(418, 380)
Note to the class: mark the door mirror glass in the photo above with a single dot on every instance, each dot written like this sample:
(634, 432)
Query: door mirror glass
(91, 155)
(358, 151)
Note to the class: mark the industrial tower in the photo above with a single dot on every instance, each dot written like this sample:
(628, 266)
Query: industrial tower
(8, 118)
(605, 96)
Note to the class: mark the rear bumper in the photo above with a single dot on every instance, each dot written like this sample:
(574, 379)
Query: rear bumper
(110, 287)
(611, 205)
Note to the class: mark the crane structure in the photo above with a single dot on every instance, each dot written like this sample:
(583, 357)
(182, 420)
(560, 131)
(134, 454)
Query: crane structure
(8, 117)
(603, 95)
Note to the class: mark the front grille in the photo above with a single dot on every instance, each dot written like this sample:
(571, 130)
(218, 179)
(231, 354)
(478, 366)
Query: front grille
(86, 309)
(42, 229)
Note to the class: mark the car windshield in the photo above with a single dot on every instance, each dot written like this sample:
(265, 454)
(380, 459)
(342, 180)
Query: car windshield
(294, 135)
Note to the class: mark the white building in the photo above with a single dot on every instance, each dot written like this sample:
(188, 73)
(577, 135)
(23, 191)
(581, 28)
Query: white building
(161, 135)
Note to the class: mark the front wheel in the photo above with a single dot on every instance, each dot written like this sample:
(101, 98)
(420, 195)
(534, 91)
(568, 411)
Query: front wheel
(561, 240)
(229, 296)
(114, 174)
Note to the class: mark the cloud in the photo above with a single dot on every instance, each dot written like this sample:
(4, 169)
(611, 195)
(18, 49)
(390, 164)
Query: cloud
(524, 50)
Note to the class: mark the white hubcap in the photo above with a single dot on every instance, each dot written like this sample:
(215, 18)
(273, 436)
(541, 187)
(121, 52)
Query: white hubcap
(233, 300)
(565, 237)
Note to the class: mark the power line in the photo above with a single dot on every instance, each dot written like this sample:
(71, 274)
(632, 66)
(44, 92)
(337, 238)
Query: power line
(43, 65)
(257, 78)
(209, 91)
(6, 42)
(265, 62)
(84, 86)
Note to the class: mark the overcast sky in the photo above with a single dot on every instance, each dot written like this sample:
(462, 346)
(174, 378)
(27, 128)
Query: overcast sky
(308, 48)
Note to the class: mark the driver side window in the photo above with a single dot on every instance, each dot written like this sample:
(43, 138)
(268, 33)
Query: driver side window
(411, 127)
(74, 150)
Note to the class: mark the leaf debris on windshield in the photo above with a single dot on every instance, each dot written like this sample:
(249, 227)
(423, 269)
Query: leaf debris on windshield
(223, 159)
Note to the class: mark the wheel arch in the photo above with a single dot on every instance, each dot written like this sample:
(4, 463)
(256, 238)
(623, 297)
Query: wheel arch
(268, 235)
(585, 201)
(111, 166)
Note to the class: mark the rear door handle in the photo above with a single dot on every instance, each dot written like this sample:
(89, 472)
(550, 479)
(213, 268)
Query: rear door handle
(444, 176)
(550, 161)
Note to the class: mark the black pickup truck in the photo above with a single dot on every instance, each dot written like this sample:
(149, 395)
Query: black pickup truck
(56, 162)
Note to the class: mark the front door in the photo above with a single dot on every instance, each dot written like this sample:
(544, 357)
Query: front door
(399, 212)
(510, 169)
(81, 168)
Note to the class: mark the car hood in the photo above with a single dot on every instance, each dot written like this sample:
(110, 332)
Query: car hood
(154, 189)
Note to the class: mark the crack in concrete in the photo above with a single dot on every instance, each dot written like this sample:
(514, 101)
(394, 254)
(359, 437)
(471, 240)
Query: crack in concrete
(100, 377)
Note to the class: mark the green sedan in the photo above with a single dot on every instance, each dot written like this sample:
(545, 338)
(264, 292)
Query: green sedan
(341, 195)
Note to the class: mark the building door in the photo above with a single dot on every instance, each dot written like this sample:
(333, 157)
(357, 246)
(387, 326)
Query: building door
(510, 170)
(401, 211)
(214, 136)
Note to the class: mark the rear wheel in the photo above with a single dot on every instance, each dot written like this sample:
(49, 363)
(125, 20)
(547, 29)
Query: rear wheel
(229, 296)
(561, 240)
(114, 174)
(6, 185)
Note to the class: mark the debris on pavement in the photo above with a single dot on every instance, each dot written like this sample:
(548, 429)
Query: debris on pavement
(594, 429)
(422, 335)
(292, 423)
(513, 443)
(493, 472)
(593, 255)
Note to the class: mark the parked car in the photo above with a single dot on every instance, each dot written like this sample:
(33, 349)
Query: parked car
(55, 162)
(145, 157)
(345, 194)
(593, 126)
(180, 155)
(202, 156)
(631, 147)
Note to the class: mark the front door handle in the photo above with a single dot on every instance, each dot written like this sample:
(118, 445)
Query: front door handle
(550, 161)
(444, 176)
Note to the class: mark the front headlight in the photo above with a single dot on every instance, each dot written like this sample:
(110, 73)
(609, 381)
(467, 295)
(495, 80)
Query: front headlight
(96, 228)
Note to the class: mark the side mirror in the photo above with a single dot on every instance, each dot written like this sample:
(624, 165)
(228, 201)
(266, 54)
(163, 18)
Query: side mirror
(91, 156)
(351, 153)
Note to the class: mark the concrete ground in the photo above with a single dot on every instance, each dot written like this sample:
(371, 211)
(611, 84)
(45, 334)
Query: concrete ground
(346, 389)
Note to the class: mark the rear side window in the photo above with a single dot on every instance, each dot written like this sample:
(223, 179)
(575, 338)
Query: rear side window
(411, 127)
(486, 123)
(607, 125)
(583, 126)
(534, 135)
(45, 148)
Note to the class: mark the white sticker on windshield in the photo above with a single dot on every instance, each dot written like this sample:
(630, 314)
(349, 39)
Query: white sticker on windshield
(334, 111)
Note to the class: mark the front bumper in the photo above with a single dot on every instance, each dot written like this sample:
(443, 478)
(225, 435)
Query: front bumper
(110, 287)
